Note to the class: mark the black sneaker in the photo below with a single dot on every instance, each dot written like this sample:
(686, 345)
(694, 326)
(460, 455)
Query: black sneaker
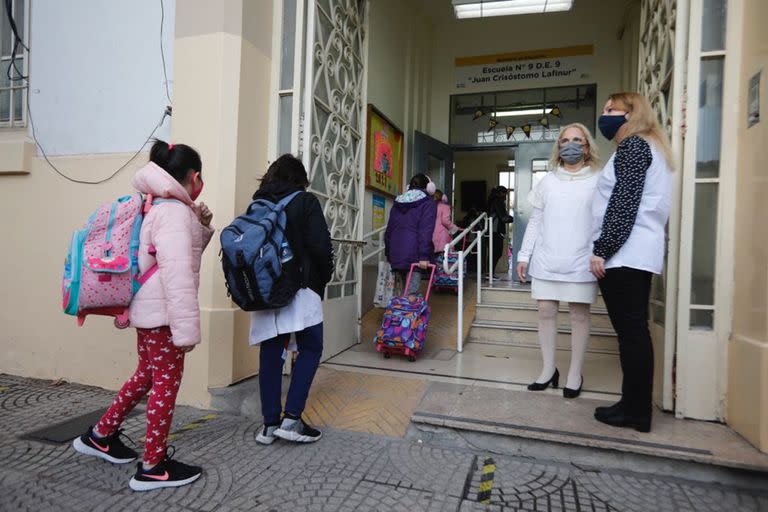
(168, 473)
(294, 429)
(109, 448)
(267, 434)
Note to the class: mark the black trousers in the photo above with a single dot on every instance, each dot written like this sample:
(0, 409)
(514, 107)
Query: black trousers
(499, 248)
(626, 292)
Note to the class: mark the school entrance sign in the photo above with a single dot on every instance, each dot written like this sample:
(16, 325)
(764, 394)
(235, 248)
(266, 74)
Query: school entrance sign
(522, 69)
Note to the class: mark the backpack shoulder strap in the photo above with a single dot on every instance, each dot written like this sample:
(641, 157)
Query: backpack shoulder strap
(166, 200)
(287, 199)
(150, 201)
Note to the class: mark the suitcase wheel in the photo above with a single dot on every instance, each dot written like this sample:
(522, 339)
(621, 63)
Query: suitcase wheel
(412, 358)
(387, 355)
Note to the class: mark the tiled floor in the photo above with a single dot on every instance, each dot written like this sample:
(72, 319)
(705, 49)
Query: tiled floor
(485, 364)
(489, 365)
(356, 401)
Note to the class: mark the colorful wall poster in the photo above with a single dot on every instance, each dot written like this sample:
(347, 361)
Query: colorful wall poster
(384, 154)
(379, 211)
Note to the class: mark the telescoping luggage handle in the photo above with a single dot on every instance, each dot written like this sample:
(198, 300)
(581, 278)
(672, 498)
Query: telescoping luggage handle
(431, 278)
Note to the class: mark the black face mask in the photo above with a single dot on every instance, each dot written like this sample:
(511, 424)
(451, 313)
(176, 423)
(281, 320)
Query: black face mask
(609, 125)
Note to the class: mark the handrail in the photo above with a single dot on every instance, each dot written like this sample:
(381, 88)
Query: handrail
(380, 251)
(459, 268)
(448, 269)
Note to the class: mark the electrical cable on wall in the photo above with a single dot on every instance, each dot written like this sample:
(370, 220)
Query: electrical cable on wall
(18, 41)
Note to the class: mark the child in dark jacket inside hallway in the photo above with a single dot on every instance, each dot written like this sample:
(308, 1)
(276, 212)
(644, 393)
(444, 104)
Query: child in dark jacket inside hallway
(408, 238)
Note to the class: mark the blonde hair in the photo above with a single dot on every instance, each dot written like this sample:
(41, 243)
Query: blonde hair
(642, 122)
(591, 159)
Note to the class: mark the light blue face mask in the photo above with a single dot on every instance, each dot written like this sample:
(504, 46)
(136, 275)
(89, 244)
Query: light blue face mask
(571, 152)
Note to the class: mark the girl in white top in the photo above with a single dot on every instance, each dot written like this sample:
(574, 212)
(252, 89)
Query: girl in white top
(558, 245)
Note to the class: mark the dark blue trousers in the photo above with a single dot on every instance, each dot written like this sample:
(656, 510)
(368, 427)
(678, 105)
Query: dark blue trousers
(310, 344)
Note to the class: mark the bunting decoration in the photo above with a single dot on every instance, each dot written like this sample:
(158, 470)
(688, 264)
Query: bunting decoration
(527, 128)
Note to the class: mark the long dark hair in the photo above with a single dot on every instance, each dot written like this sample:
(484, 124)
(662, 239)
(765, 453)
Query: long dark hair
(419, 181)
(497, 196)
(176, 160)
(286, 169)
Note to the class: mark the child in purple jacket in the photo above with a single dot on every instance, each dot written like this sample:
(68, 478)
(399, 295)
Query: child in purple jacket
(408, 238)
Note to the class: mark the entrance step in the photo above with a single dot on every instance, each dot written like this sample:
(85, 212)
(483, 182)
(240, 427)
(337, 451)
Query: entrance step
(546, 416)
(518, 295)
(525, 334)
(529, 313)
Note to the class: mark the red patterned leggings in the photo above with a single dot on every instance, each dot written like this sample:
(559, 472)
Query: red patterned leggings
(160, 368)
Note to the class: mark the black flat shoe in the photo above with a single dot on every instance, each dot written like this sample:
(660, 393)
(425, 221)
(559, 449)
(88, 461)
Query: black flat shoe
(555, 381)
(619, 419)
(573, 393)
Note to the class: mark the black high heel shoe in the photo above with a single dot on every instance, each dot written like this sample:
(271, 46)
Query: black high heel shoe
(573, 393)
(555, 381)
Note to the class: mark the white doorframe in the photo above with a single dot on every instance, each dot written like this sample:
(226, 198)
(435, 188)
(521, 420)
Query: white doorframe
(342, 200)
(653, 81)
(701, 354)
(333, 145)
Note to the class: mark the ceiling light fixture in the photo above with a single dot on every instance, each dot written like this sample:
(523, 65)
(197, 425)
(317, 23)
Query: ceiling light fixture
(486, 8)
(525, 112)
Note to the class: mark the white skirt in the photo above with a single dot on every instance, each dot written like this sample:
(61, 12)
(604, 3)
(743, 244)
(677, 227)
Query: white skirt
(584, 293)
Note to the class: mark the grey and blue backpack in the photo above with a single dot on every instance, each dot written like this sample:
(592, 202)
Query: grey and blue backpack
(259, 266)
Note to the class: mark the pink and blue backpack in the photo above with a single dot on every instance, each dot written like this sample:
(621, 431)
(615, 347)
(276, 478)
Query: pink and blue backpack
(101, 271)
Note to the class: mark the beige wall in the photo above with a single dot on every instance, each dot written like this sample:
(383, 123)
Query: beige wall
(747, 401)
(253, 128)
(40, 212)
(398, 73)
(398, 84)
(220, 108)
(225, 113)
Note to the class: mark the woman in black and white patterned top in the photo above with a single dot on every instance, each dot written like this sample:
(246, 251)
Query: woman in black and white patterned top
(631, 208)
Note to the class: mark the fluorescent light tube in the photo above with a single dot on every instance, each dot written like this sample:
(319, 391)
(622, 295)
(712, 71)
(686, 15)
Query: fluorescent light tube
(526, 112)
(488, 8)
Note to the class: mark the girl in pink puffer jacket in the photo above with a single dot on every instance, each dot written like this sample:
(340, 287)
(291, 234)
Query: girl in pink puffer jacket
(165, 313)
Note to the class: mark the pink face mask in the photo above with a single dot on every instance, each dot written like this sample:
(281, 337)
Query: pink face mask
(197, 186)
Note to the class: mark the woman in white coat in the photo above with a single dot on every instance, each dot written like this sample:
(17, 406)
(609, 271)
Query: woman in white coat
(557, 243)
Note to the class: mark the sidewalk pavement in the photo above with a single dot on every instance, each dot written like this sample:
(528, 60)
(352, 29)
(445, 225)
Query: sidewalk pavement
(344, 471)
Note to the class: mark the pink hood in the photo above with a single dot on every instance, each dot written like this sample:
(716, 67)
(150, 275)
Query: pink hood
(443, 227)
(153, 179)
(177, 239)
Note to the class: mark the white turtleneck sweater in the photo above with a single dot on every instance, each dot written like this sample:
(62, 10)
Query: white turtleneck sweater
(558, 238)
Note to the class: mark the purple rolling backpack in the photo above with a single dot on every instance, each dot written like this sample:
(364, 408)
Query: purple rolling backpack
(404, 328)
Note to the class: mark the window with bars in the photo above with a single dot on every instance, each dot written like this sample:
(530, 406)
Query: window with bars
(13, 64)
